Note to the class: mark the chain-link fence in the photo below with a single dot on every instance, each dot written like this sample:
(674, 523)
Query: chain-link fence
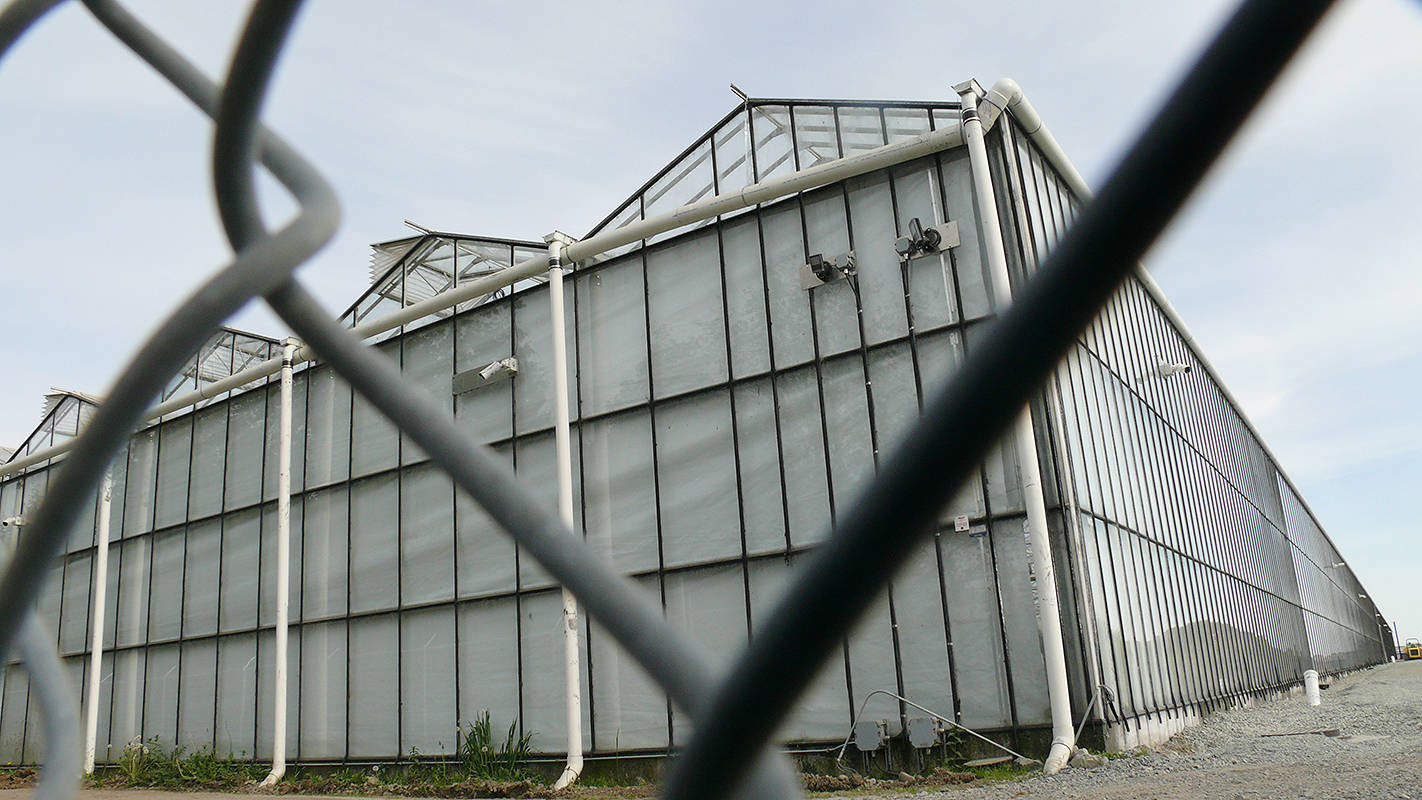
(736, 715)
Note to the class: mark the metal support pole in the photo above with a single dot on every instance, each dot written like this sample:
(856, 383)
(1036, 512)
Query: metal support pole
(283, 582)
(1024, 441)
(562, 440)
(96, 650)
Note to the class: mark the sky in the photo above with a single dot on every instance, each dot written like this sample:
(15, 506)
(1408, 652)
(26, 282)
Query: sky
(1295, 264)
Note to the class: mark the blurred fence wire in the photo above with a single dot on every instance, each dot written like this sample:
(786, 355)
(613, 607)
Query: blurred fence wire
(736, 715)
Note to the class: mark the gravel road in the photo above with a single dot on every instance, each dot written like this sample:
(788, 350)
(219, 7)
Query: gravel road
(1377, 754)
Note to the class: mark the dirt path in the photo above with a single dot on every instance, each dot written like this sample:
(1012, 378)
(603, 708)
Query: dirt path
(1377, 754)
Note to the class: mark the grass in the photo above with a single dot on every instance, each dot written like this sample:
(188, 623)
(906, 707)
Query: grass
(145, 763)
(482, 756)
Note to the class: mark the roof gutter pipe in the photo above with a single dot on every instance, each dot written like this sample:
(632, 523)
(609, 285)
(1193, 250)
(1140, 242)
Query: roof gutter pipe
(572, 678)
(1006, 95)
(763, 192)
(1024, 442)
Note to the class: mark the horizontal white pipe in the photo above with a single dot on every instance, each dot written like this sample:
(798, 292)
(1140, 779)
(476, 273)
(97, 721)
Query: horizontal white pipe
(763, 192)
(1006, 94)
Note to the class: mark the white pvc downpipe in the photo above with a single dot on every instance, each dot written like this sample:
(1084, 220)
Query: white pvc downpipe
(96, 653)
(283, 587)
(1311, 687)
(1024, 442)
(572, 678)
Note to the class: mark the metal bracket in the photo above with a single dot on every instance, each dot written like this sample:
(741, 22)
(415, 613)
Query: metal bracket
(492, 373)
(820, 270)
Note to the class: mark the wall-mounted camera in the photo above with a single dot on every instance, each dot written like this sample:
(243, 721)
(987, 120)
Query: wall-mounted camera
(820, 270)
(923, 241)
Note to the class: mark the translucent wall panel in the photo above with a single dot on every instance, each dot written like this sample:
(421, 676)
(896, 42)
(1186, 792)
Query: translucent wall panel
(246, 440)
(922, 634)
(687, 334)
(619, 490)
(160, 694)
(612, 330)
(541, 656)
(12, 714)
(479, 340)
(373, 704)
(824, 705)
(328, 427)
(745, 297)
(197, 695)
(427, 682)
(696, 464)
(134, 575)
(74, 616)
(629, 709)
(790, 328)
(977, 632)
(762, 506)
(209, 457)
(802, 439)
(324, 553)
(200, 574)
(881, 286)
(426, 535)
(484, 554)
(241, 540)
(537, 469)
(236, 695)
(488, 662)
(851, 446)
(174, 455)
(827, 233)
(375, 441)
(375, 554)
(533, 345)
(872, 664)
(126, 722)
(322, 683)
(1017, 590)
(428, 363)
(165, 609)
(140, 479)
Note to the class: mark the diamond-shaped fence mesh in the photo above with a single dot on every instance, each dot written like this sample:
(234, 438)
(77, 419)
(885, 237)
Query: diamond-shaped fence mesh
(737, 713)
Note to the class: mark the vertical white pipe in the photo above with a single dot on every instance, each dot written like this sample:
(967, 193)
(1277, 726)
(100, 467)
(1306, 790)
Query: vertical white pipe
(96, 652)
(571, 670)
(1024, 442)
(288, 353)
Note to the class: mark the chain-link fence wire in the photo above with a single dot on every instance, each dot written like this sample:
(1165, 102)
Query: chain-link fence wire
(735, 717)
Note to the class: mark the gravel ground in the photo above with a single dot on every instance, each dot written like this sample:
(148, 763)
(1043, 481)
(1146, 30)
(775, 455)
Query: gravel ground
(1377, 754)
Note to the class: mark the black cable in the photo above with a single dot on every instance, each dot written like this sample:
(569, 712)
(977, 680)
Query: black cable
(966, 417)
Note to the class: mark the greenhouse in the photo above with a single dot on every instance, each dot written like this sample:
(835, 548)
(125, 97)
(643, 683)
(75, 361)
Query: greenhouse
(732, 383)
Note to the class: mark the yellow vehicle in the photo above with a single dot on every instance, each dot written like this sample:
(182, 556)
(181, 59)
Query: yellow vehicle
(1412, 650)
